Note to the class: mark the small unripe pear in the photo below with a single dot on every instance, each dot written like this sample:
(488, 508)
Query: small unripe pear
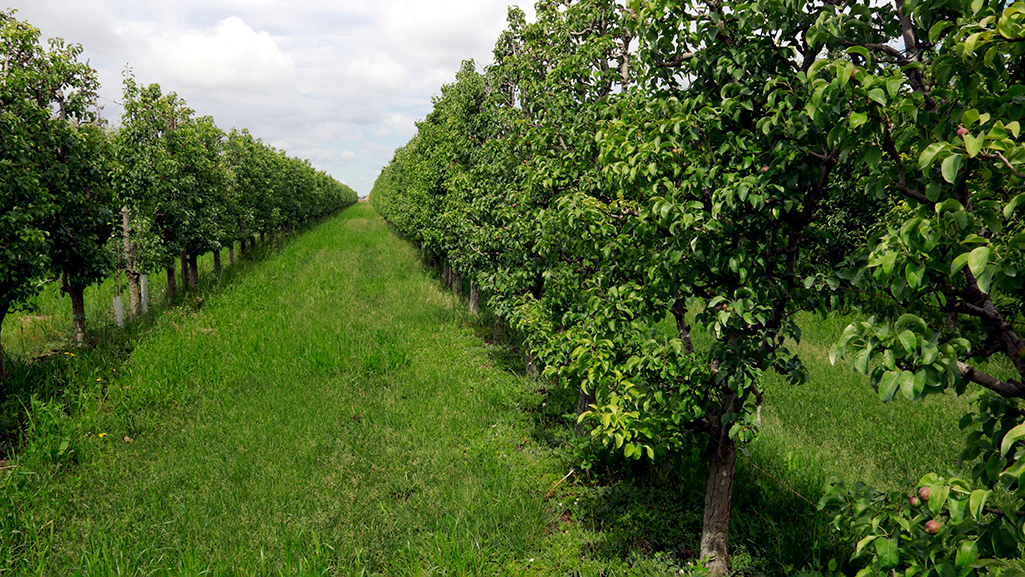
(932, 526)
(765, 169)
(924, 493)
(914, 500)
(961, 131)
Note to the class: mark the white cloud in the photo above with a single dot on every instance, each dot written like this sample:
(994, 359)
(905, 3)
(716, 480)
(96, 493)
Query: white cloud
(377, 73)
(339, 83)
(443, 32)
(230, 56)
(399, 125)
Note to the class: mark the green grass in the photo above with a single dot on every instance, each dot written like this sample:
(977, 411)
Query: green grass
(330, 413)
(326, 408)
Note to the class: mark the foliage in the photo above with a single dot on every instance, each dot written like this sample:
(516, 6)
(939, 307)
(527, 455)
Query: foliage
(948, 145)
(45, 97)
(616, 188)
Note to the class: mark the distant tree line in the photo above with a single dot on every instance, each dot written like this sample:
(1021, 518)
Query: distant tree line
(79, 199)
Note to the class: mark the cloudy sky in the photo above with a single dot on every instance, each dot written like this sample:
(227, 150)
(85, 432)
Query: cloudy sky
(339, 82)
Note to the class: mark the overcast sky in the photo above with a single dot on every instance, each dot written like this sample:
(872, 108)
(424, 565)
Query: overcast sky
(339, 82)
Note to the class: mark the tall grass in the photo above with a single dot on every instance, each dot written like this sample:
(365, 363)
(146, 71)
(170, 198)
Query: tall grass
(329, 413)
(328, 409)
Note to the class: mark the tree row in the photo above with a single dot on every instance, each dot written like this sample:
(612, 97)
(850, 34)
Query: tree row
(733, 164)
(81, 200)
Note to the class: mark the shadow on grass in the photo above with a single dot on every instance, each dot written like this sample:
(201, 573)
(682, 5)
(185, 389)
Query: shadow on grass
(625, 511)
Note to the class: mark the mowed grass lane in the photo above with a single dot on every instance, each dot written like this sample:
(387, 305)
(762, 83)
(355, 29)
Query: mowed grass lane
(329, 414)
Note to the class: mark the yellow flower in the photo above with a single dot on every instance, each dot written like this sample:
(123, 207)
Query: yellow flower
(102, 435)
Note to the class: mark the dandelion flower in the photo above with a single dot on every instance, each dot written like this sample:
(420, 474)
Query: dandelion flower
(101, 435)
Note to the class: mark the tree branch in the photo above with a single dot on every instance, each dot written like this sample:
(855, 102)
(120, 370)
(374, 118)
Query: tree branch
(902, 180)
(1008, 389)
(675, 61)
(1002, 158)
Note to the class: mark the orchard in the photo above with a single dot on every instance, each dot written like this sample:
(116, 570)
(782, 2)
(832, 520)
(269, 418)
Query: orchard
(618, 164)
(173, 183)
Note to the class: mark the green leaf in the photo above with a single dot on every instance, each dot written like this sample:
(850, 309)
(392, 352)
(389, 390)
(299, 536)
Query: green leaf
(951, 167)
(967, 554)
(877, 95)
(909, 341)
(937, 29)
(969, 43)
(888, 385)
(1014, 127)
(919, 385)
(910, 319)
(873, 156)
(863, 543)
(1013, 205)
(888, 261)
(977, 501)
(938, 499)
(1015, 470)
(915, 274)
(973, 144)
(907, 385)
(861, 360)
(860, 50)
(929, 154)
(886, 552)
(958, 263)
(893, 85)
(978, 258)
(858, 118)
(985, 280)
(845, 75)
(1010, 438)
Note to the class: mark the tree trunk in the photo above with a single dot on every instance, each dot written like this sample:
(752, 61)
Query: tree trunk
(184, 258)
(496, 331)
(457, 283)
(77, 295)
(134, 292)
(446, 276)
(722, 468)
(193, 271)
(530, 361)
(474, 298)
(252, 244)
(172, 283)
(3, 357)
(217, 261)
(130, 273)
(263, 237)
(584, 401)
(231, 254)
(680, 314)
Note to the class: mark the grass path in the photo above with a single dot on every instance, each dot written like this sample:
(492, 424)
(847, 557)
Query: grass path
(330, 413)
